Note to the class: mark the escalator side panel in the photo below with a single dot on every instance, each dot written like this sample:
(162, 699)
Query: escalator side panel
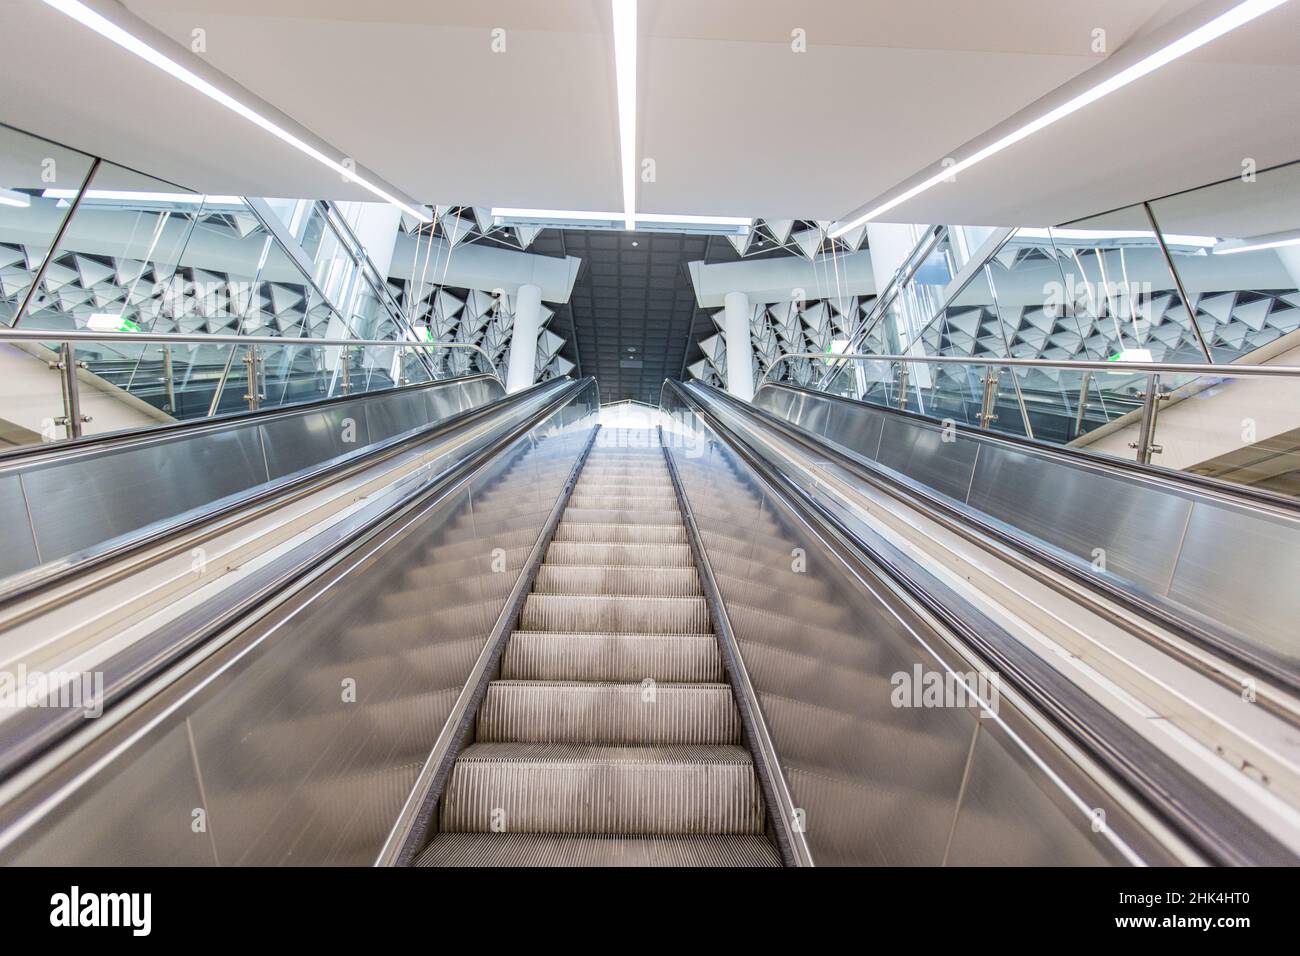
(83, 496)
(879, 779)
(1227, 565)
(301, 743)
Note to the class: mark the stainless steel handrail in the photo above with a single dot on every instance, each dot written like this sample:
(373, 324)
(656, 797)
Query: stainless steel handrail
(165, 338)
(1155, 368)
(1145, 445)
(68, 366)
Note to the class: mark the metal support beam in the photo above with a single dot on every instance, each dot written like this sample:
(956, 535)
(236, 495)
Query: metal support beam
(253, 361)
(1178, 283)
(1145, 444)
(989, 399)
(67, 366)
(54, 245)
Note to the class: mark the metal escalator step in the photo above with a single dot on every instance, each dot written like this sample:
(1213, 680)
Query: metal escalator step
(555, 849)
(574, 712)
(609, 469)
(654, 481)
(542, 655)
(630, 533)
(605, 614)
(620, 555)
(664, 516)
(601, 499)
(576, 788)
(628, 473)
(642, 582)
(657, 496)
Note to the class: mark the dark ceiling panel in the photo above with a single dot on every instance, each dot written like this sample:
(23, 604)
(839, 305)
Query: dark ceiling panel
(632, 313)
(633, 308)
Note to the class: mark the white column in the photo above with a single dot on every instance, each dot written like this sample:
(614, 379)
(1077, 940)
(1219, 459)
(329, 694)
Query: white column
(740, 347)
(890, 245)
(523, 341)
(376, 225)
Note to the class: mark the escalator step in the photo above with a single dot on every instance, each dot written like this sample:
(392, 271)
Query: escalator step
(629, 533)
(643, 581)
(540, 655)
(620, 555)
(608, 713)
(553, 849)
(568, 788)
(618, 615)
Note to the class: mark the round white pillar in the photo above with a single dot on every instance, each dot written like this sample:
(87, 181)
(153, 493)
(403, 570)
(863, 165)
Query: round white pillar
(740, 347)
(523, 341)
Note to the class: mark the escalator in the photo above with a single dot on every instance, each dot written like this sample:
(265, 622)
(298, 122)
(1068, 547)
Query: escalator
(499, 634)
(611, 736)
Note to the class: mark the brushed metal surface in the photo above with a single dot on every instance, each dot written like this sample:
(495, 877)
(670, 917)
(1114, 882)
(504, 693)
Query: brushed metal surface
(308, 739)
(139, 814)
(358, 687)
(81, 498)
(1243, 569)
(1233, 564)
(553, 849)
(19, 551)
(293, 444)
(91, 499)
(918, 450)
(1080, 510)
(876, 783)
(1009, 816)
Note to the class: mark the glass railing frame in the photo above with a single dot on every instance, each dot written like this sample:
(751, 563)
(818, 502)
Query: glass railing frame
(67, 364)
(1151, 397)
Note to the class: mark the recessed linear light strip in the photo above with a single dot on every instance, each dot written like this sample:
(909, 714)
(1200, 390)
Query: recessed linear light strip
(11, 197)
(1224, 23)
(111, 31)
(124, 195)
(1258, 246)
(577, 215)
(625, 74)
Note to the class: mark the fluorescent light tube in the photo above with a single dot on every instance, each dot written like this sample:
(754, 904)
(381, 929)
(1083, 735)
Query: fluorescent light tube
(124, 195)
(111, 31)
(1100, 236)
(10, 197)
(1258, 246)
(1224, 23)
(625, 72)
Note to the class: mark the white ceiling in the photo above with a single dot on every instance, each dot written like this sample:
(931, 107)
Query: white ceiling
(736, 122)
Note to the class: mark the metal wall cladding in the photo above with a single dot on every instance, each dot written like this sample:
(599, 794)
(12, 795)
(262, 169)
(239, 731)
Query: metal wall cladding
(879, 784)
(140, 813)
(304, 743)
(1003, 821)
(75, 501)
(1234, 565)
(83, 501)
(19, 551)
(1242, 568)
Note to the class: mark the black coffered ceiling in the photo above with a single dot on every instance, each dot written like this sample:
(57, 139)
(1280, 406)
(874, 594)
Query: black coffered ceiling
(632, 311)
